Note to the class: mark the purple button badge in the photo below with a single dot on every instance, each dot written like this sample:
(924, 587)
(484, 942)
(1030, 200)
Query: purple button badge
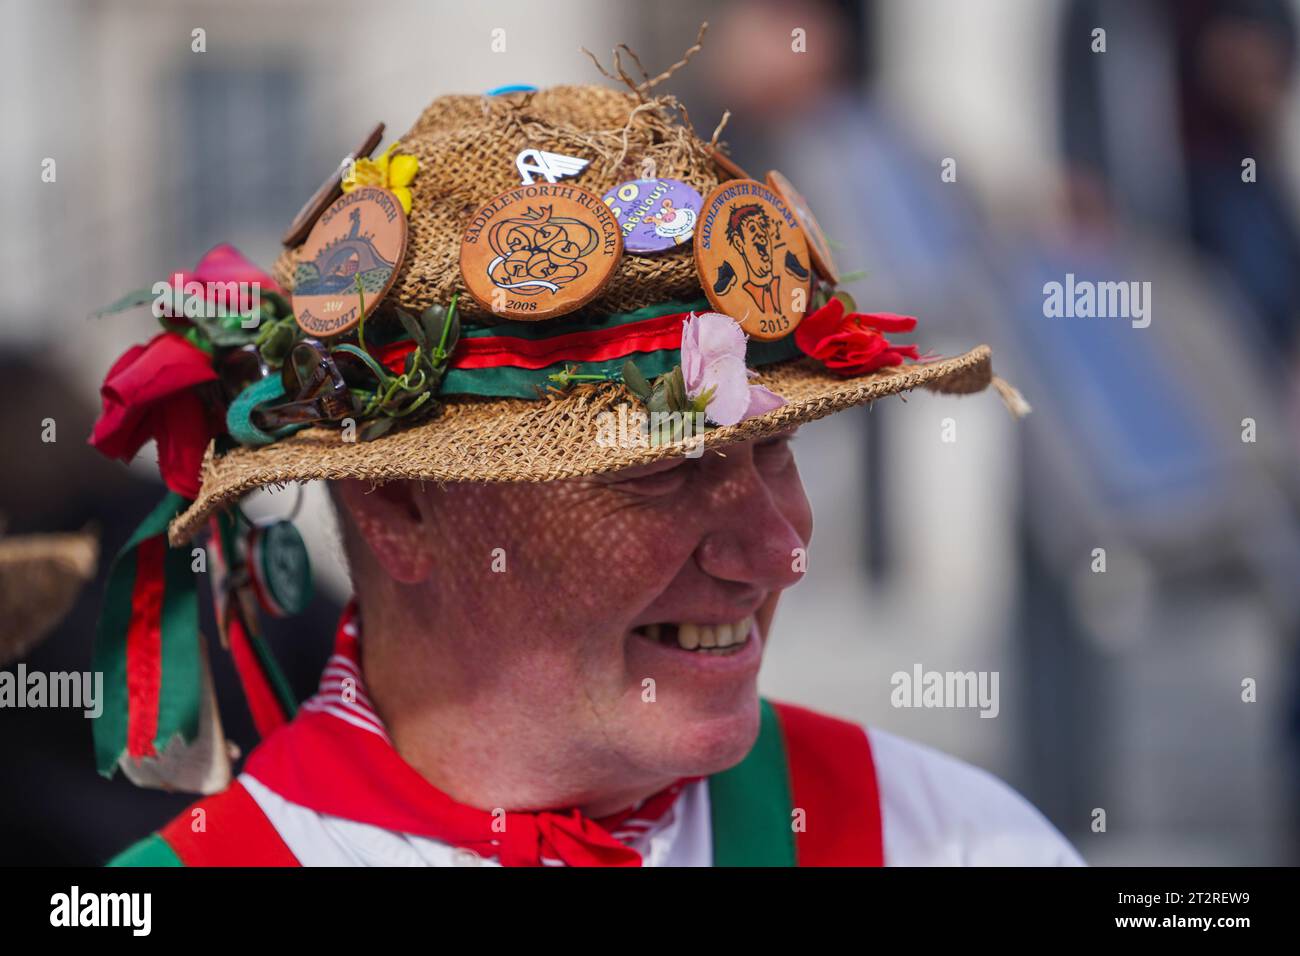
(654, 214)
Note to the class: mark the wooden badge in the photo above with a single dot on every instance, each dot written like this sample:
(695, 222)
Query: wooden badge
(329, 191)
(539, 251)
(752, 258)
(818, 248)
(355, 247)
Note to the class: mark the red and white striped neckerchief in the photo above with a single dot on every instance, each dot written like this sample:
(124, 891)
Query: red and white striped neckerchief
(339, 729)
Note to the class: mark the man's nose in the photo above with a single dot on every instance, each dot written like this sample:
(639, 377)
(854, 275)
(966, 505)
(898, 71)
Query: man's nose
(752, 540)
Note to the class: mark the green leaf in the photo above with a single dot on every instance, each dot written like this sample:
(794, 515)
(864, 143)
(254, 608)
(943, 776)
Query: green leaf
(413, 328)
(415, 405)
(849, 304)
(380, 372)
(677, 400)
(700, 403)
(132, 300)
(274, 348)
(432, 319)
(635, 380)
(658, 400)
(223, 334)
(857, 276)
(444, 326)
(279, 303)
(375, 428)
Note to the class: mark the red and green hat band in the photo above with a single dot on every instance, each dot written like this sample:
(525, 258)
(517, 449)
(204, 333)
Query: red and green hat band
(517, 359)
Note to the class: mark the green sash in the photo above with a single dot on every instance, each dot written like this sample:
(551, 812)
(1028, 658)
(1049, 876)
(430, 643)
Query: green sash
(750, 803)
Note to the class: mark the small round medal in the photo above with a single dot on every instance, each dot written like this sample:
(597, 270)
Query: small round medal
(279, 568)
(539, 251)
(654, 214)
(752, 258)
(818, 248)
(353, 252)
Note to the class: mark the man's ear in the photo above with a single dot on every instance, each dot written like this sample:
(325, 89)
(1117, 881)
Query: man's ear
(391, 521)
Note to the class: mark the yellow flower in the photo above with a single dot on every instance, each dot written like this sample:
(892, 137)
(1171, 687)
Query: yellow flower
(394, 173)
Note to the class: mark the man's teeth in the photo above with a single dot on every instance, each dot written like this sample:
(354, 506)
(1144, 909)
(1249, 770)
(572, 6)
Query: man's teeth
(702, 637)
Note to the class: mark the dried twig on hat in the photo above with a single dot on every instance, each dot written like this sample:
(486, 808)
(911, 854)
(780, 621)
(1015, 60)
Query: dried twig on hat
(648, 82)
(713, 140)
(686, 57)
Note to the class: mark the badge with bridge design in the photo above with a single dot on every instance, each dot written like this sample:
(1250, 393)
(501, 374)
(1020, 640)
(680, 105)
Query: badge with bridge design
(352, 254)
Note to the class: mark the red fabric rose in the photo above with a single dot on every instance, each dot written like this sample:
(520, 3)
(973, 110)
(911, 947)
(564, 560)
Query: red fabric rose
(150, 393)
(853, 344)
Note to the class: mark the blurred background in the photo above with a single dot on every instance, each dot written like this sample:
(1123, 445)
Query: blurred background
(1120, 690)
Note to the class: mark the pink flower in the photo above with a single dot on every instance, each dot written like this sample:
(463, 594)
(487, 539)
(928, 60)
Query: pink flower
(713, 357)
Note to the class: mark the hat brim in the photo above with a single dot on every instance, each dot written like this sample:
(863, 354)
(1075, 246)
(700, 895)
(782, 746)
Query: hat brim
(40, 578)
(563, 436)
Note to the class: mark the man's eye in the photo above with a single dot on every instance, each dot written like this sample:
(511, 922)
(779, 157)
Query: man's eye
(654, 481)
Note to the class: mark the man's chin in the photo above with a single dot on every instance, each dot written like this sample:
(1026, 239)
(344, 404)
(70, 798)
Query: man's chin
(685, 738)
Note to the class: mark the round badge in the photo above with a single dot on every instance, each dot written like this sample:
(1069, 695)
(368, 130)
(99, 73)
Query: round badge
(359, 241)
(818, 248)
(752, 258)
(654, 214)
(280, 568)
(539, 251)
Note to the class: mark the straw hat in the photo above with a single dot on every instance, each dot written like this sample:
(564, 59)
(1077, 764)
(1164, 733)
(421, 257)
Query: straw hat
(466, 147)
(40, 577)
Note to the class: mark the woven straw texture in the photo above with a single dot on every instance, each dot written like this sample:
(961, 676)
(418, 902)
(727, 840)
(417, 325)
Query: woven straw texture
(565, 437)
(467, 146)
(40, 577)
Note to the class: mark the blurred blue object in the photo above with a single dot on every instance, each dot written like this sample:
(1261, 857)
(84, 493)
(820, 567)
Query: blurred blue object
(1133, 419)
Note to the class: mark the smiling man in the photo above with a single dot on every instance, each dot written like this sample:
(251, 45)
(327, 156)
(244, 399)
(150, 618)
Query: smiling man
(553, 652)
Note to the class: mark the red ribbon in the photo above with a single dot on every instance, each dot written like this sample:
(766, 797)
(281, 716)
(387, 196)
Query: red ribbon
(144, 648)
(496, 351)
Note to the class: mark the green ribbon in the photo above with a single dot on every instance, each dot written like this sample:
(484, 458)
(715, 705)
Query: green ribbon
(179, 667)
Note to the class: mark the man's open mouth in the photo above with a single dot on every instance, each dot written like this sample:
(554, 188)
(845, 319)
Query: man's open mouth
(720, 639)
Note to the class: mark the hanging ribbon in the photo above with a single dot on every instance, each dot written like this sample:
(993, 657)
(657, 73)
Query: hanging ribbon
(147, 646)
(268, 694)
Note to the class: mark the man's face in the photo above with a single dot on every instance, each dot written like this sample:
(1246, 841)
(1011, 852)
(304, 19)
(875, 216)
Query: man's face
(753, 241)
(566, 608)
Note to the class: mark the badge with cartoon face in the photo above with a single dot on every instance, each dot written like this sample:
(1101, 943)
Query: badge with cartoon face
(752, 258)
(539, 251)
